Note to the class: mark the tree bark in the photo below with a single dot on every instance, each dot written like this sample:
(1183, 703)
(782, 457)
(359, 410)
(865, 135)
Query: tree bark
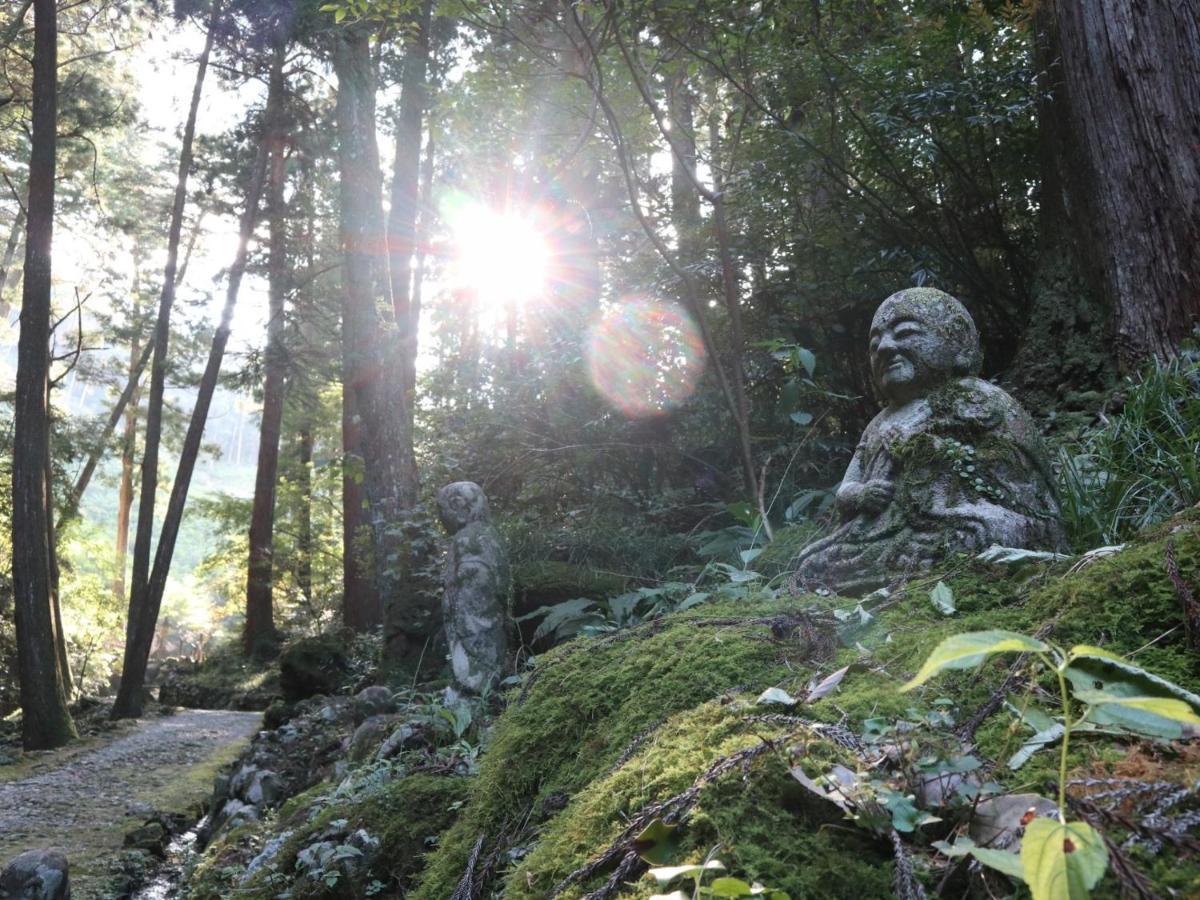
(46, 721)
(128, 454)
(304, 532)
(137, 630)
(1130, 86)
(259, 635)
(370, 354)
(362, 609)
(402, 219)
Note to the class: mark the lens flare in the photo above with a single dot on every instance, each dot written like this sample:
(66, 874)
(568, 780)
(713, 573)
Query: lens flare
(645, 357)
(501, 256)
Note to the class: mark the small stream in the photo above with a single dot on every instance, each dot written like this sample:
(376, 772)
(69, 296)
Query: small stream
(181, 853)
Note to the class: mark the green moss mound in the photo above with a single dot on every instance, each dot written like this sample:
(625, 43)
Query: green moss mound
(609, 727)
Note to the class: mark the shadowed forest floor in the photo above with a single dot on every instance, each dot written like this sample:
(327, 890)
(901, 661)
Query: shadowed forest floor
(85, 802)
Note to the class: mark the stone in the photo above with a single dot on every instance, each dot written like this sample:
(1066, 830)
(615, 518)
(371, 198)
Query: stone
(151, 838)
(952, 464)
(368, 736)
(475, 599)
(406, 737)
(36, 875)
(373, 701)
(311, 666)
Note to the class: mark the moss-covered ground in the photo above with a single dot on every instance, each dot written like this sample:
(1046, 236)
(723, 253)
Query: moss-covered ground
(660, 720)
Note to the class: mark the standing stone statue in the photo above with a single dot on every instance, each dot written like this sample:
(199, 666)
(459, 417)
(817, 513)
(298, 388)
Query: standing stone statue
(474, 604)
(951, 464)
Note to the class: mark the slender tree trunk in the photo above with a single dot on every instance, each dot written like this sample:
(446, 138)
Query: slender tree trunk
(139, 631)
(1130, 82)
(45, 722)
(125, 491)
(259, 635)
(10, 251)
(370, 352)
(304, 532)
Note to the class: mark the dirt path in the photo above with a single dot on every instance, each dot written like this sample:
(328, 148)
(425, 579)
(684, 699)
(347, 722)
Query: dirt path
(86, 803)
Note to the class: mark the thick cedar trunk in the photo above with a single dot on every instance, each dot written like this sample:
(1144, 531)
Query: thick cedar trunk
(371, 358)
(10, 251)
(362, 609)
(259, 634)
(138, 630)
(402, 219)
(45, 722)
(1130, 88)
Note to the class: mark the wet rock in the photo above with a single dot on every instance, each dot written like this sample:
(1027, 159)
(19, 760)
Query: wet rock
(36, 875)
(406, 737)
(151, 838)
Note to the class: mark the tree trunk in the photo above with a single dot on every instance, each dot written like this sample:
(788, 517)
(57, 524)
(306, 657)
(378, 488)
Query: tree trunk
(259, 634)
(128, 451)
(361, 606)
(138, 631)
(370, 354)
(402, 220)
(304, 532)
(1130, 87)
(10, 251)
(45, 722)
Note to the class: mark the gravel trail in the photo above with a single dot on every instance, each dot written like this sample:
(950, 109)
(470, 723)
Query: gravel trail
(86, 804)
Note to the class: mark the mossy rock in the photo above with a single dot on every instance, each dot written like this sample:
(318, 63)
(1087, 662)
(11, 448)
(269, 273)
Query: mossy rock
(227, 679)
(311, 666)
(405, 815)
(548, 582)
(610, 726)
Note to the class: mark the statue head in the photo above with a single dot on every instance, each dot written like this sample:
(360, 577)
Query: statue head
(921, 338)
(460, 504)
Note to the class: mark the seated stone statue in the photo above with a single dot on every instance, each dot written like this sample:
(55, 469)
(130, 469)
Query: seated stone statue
(952, 463)
(474, 604)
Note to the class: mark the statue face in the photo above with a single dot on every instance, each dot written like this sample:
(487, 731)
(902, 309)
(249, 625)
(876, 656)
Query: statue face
(920, 338)
(461, 503)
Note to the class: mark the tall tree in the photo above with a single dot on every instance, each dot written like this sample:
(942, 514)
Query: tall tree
(371, 364)
(259, 635)
(46, 721)
(1128, 87)
(137, 629)
(137, 650)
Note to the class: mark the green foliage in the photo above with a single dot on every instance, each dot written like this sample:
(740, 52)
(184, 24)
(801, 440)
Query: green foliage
(1140, 466)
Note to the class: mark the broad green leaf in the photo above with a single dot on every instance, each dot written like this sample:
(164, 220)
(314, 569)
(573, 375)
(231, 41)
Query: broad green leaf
(694, 599)
(943, 598)
(731, 887)
(666, 874)
(1121, 694)
(1062, 862)
(965, 651)
(801, 418)
(1087, 650)
(656, 842)
(776, 695)
(749, 556)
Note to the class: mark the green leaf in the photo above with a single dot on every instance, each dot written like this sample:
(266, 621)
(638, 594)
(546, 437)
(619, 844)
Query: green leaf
(748, 556)
(1121, 694)
(801, 418)
(656, 842)
(807, 359)
(1034, 744)
(694, 599)
(966, 651)
(776, 695)
(666, 874)
(730, 887)
(1062, 862)
(1006, 863)
(943, 598)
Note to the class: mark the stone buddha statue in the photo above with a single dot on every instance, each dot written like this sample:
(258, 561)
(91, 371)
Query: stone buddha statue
(952, 463)
(475, 599)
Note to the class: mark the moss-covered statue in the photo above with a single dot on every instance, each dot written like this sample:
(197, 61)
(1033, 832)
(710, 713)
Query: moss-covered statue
(952, 463)
(476, 589)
